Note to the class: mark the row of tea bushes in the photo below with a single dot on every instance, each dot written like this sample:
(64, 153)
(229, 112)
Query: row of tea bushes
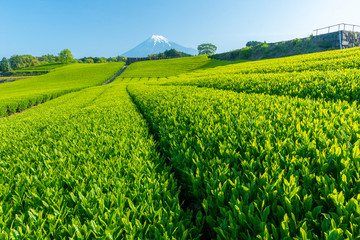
(83, 166)
(260, 166)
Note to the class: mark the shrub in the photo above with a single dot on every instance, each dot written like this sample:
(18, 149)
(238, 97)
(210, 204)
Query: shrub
(245, 53)
(325, 44)
(234, 54)
(253, 43)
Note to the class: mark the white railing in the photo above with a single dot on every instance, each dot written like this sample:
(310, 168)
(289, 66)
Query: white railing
(338, 27)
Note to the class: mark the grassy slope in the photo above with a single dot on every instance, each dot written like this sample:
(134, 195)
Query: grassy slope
(333, 178)
(331, 60)
(19, 95)
(328, 75)
(172, 119)
(170, 67)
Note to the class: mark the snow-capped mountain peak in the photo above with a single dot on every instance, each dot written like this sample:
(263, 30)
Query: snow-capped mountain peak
(156, 44)
(159, 39)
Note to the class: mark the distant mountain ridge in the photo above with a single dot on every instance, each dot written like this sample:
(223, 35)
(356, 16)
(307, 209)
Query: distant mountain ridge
(156, 44)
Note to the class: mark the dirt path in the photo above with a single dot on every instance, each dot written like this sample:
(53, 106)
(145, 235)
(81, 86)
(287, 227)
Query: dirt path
(118, 74)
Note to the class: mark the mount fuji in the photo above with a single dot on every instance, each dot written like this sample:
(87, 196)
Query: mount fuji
(156, 44)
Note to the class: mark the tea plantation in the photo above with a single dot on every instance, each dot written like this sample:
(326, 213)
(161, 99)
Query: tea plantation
(19, 95)
(188, 148)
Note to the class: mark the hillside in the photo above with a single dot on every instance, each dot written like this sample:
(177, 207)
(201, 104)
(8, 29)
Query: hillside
(312, 44)
(19, 95)
(171, 67)
(188, 148)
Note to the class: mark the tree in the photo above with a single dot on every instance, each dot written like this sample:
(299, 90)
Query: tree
(5, 65)
(111, 59)
(171, 53)
(253, 43)
(65, 56)
(206, 48)
(89, 60)
(102, 60)
(96, 59)
(20, 61)
(35, 62)
(49, 58)
(121, 59)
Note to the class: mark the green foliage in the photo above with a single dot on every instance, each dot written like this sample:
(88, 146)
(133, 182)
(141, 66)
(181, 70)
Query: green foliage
(332, 76)
(256, 150)
(296, 41)
(102, 60)
(265, 49)
(245, 53)
(329, 85)
(20, 95)
(325, 44)
(20, 61)
(49, 58)
(5, 65)
(264, 46)
(265, 166)
(121, 59)
(40, 68)
(111, 59)
(65, 56)
(260, 165)
(89, 60)
(234, 54)
(171, 53)
(299, 43)
(253, 43)
(84, 166)
(169, 67)
(283, 47)
(25, 61)
(213, 63)
(206, 49)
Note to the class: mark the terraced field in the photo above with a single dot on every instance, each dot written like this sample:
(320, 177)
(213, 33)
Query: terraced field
(191, 149)
(171, 67)
(19, 95)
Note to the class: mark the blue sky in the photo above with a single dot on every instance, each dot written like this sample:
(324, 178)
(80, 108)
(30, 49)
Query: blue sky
(110, 28)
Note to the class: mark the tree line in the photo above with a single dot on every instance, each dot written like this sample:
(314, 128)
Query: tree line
(170, 54)
(21, 61)
(65, 56)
